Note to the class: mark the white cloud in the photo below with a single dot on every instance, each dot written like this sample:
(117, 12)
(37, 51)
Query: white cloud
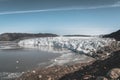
(116, 4)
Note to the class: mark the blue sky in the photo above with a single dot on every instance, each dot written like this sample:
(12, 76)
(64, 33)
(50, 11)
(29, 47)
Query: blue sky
(91, 17)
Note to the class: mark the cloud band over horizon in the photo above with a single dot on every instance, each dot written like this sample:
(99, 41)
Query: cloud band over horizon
(114, 5)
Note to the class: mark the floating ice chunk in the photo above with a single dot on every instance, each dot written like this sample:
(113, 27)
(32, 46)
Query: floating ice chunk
(34, 71)
(17, 62)
(9, 76)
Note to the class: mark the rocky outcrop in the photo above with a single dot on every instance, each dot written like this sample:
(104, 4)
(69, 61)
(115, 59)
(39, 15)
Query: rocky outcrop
(19, 36)
(101, 78)
(115, 35)
(114, 73)
(100, 70)
(77, 35)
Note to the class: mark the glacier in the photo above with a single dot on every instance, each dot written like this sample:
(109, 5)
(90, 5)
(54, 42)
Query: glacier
(73, 49)
(87, 45)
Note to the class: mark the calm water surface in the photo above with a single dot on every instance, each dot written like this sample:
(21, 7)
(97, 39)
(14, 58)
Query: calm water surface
(23, 59)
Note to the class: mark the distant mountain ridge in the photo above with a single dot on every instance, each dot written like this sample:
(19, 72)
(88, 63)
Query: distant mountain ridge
(115, 35)
(19, 36)
(77, 35)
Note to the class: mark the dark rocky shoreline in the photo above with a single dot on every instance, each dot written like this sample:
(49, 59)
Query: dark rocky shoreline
(98, 68)
(86, 71)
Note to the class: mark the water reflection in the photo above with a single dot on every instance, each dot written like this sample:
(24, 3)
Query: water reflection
(47, 48)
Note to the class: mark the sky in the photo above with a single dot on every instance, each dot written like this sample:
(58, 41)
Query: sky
(63, 17)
